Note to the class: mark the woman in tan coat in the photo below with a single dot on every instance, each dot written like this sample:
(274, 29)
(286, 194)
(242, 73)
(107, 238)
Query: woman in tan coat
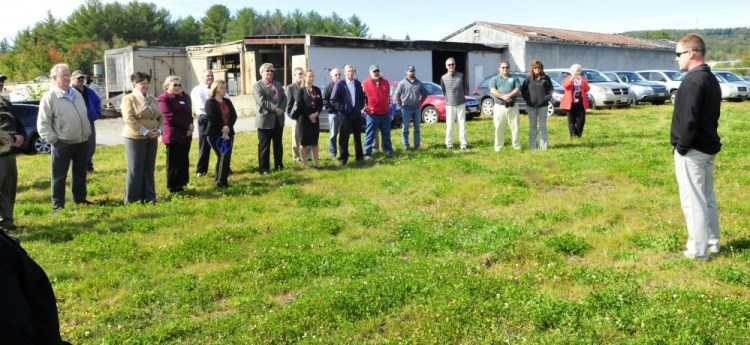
(143, 126)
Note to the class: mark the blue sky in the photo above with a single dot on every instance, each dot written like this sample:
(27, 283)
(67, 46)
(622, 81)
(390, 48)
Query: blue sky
(433, 20)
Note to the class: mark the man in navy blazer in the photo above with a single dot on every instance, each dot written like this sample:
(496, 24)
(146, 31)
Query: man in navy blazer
(348, 99)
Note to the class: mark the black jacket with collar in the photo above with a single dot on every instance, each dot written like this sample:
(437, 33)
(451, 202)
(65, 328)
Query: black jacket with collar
(696, 113)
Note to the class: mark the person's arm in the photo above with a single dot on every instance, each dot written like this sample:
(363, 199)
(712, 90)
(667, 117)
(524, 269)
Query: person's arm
(687, 108)
(399, 91)
(127, 108)
(199, 106)
(318, 105)
(300, 100)
(45, 119)
(334, 98)
(291, 98)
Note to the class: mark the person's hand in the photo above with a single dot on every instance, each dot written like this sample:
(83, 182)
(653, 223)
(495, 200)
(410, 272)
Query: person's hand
(279, 112)
(191, 128)
(19, 141)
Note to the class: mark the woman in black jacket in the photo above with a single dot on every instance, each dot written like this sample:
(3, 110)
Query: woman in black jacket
(309, 104)
(220, 129)
(537, 92)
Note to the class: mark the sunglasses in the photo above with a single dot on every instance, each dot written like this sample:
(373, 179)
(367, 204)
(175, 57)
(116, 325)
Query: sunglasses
(504, 67)
(451, 64)
(678, 54)
(177, 85)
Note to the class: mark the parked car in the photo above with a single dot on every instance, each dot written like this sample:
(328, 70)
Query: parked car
(482, 92)
(27, 113)
(433, 108)
(732, 91)
(645, 91)
(733, 78)
(668, 78)
(607, 93)
(746, 78)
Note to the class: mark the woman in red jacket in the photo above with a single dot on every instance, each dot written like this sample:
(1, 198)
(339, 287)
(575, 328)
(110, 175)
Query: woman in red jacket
(575, 100)
(178, 132)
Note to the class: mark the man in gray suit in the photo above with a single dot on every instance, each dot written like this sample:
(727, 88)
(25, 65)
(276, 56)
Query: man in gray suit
(270, 103)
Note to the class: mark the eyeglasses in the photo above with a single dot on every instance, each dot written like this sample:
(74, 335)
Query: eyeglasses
(678, 54)
(144, 83)
(337, 74)
(376, 71)
(450, 64)
(504, 67)
(177, 85)
(79, 78)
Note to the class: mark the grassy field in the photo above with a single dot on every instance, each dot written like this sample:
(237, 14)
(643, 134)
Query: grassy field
(575, 244)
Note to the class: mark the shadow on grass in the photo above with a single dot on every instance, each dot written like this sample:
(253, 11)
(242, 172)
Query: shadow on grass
(739, 245)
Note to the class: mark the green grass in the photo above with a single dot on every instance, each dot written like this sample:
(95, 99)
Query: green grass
(568, 245)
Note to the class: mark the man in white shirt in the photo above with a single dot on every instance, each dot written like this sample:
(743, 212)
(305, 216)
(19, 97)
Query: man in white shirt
(198, 97)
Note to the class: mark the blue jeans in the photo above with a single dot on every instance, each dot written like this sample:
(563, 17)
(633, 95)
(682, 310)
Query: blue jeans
(333, 130)
(410, 115)
(376, 123)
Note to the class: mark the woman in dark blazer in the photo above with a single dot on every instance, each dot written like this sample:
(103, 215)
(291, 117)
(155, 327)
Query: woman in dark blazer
(309, 104)
(178, 132)
(221, 119)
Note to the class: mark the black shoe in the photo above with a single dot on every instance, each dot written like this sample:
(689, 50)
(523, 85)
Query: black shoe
(84, 202)
(7, 225)
(57, 208)
(200, 174)
(279, 168)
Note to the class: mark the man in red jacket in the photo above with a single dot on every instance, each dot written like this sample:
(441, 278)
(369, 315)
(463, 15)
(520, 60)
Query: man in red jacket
(377, 107)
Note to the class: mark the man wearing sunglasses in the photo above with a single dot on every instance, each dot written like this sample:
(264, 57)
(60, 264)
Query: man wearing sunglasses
(504, 88)
(696, 143)
(93, 111)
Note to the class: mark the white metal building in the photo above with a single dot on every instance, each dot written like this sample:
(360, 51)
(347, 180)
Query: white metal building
(557, 48)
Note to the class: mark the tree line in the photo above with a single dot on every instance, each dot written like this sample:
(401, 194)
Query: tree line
(94, 27)
(722, 43)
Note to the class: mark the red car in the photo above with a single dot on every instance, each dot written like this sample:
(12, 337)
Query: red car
(433, 108)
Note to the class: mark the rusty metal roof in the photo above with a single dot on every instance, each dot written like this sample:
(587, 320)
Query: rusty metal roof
(535, 33)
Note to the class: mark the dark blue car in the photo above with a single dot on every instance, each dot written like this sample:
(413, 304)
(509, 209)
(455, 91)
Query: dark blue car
(27, 113)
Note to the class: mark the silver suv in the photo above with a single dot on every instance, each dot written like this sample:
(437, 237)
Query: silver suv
(670, 79)
(645, 91)
(606, 92)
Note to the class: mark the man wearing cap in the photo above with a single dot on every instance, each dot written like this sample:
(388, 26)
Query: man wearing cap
(93, 111)
(377, 107)
(12, 135)
(410, 94)
(347, 99)
(333, 121)
(63, 122)
(455, 98)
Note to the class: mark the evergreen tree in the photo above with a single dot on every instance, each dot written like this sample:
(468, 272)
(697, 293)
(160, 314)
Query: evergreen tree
(214, 24)
(242, 25)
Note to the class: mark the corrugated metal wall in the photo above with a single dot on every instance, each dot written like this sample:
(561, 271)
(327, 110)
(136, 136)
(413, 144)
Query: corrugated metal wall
(392, 63)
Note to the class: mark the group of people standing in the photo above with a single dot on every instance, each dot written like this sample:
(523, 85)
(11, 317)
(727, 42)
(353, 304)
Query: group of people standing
(171, 117)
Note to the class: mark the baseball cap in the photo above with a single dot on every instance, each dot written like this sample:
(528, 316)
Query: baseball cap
(77, 74)
(410, 68)
(374, 67)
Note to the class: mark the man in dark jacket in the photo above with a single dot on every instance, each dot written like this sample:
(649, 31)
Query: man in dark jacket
(12, 135)
(696, 142)
(28, 309)
(348, 99)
